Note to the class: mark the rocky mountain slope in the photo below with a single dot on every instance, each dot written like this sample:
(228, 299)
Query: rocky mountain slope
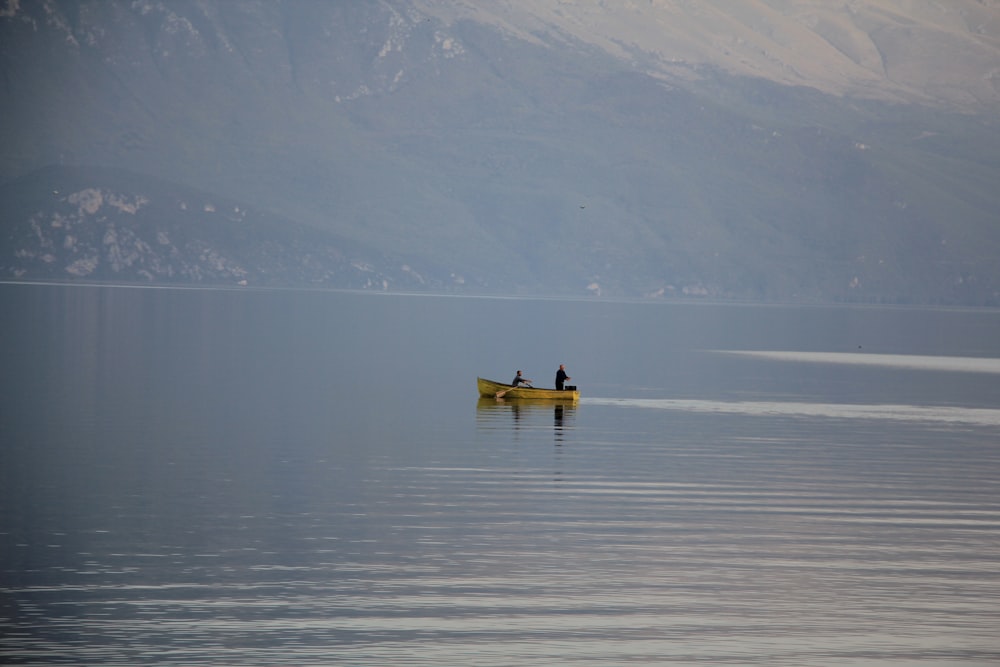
(766, 150)
(105, 225)
(914, 51)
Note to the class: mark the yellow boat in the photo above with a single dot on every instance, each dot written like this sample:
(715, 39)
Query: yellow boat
(491, 389)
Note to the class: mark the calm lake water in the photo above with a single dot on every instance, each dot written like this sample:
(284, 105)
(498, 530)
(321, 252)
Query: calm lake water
(197, 477)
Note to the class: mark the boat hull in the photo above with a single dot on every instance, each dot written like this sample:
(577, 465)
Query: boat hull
(490, 389)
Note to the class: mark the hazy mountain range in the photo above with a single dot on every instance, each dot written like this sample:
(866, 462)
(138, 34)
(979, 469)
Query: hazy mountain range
(750, 149)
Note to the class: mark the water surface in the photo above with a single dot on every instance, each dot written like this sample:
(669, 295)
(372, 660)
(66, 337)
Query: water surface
(257, 478)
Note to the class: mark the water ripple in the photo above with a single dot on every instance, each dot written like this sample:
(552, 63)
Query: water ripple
(910, 413)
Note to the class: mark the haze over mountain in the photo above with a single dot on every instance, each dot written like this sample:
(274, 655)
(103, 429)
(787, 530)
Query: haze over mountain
(751, 149)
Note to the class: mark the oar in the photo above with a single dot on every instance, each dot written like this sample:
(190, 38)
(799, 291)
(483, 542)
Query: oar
(501, 394)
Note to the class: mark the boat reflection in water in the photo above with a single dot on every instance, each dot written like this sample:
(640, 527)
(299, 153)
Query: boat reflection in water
(501, 414)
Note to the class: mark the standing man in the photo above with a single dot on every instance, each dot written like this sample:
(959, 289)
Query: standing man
(561, 377)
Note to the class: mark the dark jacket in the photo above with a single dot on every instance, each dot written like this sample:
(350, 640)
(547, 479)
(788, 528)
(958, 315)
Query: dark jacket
(561, 378)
